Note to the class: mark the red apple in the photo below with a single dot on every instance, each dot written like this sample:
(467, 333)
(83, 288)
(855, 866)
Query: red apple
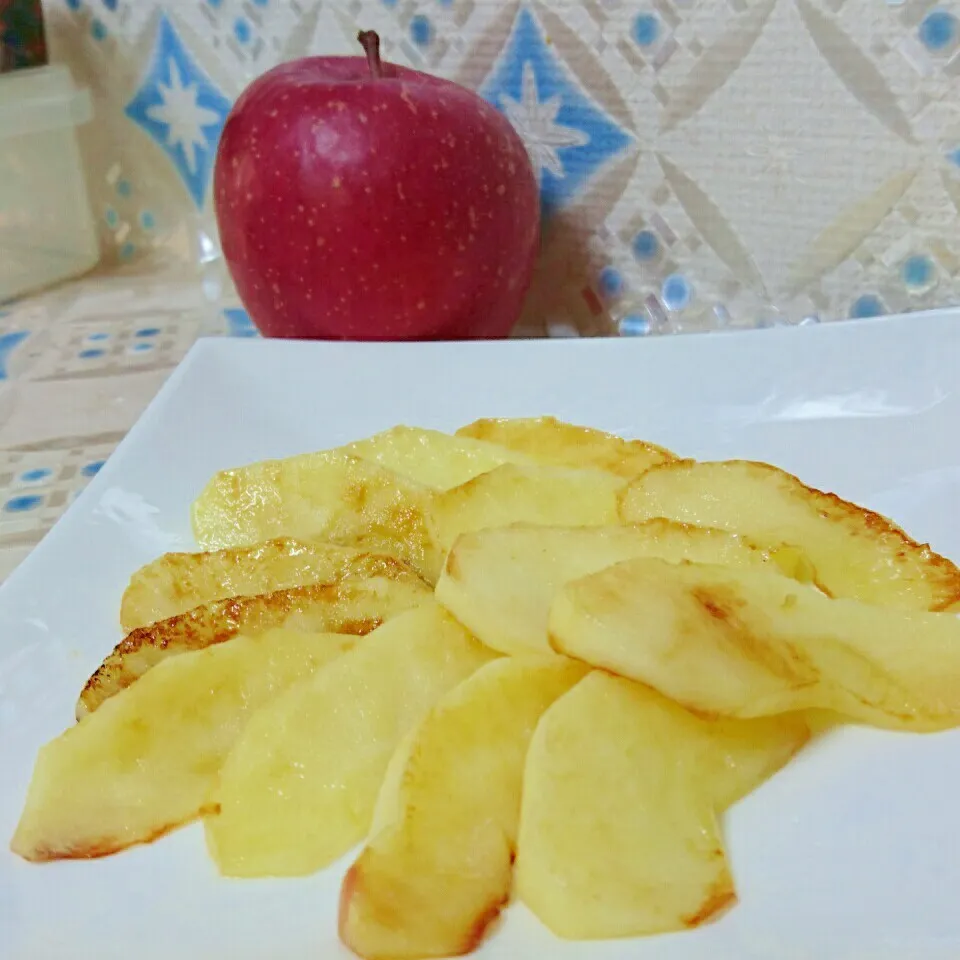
(365, 201)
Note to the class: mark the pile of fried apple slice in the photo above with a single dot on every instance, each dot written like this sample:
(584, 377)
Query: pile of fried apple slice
(528, 659)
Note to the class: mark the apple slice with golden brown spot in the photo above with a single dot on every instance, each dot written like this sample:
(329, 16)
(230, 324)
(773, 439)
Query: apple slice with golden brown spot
(437, 867)
(551, 441)
(749, 643)
(500, 582)
(178, 582)
(354, 606)
(856, 553)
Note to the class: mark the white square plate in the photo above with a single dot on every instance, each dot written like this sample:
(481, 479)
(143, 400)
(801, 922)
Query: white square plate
(852, 853)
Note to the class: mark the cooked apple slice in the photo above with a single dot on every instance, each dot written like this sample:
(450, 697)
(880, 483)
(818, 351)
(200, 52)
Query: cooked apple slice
(534, 495)
(354, 606)
(499, 583)
(299, 787)
(435, 459)
(178, 582)
(552, 441)
(147, 760)
(436, 869)
(618, 831)
(363, 505)
(515, 493)
(328, 496)
(748, 643)
(856, 553)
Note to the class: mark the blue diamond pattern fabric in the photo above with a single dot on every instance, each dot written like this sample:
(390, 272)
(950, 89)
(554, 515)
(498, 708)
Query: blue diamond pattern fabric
(181, 109)
(568, 135)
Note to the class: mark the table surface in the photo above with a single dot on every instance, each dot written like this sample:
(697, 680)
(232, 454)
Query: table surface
(78, 365)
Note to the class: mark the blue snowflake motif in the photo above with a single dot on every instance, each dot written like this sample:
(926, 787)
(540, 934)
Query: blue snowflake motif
(178, 105)
(569, 136)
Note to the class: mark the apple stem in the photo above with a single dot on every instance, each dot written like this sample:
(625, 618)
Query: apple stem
(370, 41)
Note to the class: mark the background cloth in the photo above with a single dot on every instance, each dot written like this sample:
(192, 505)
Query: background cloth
(704, 165)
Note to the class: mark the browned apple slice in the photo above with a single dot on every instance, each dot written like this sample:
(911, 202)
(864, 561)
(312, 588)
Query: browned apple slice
(437, 867)
(354, 606)
(552, 441)
(748, 643)
(856, 553)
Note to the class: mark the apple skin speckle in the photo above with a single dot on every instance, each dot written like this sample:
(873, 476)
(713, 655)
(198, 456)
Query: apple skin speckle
(327, 174)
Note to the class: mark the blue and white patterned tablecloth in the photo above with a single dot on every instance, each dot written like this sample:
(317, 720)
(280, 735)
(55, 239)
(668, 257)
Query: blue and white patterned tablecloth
(77, 367)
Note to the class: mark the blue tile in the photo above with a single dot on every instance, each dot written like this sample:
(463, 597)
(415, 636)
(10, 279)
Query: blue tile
(92, 469)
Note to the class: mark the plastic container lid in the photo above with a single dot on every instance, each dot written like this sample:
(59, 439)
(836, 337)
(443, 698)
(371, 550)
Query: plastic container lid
(41, 98)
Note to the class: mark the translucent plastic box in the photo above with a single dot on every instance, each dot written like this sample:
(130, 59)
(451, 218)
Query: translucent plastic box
(46, 228)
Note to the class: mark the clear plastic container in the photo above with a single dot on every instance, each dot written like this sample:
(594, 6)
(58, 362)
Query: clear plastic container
(47, 232)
